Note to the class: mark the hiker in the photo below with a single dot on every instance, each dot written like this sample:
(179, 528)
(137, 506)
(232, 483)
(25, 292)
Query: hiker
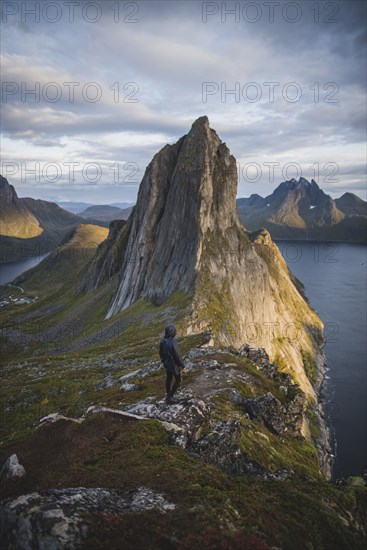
(171, 359)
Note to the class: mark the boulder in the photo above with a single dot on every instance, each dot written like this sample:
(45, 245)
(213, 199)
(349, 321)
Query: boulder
(221, 448)
(12, 468)
(129, 387)
(106, 383)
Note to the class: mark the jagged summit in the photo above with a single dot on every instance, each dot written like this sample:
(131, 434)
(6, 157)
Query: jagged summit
(302, 210)
(184, 234)
(185, 193)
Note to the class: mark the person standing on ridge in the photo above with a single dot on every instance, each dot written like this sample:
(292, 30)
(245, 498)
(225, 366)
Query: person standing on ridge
(171, 359)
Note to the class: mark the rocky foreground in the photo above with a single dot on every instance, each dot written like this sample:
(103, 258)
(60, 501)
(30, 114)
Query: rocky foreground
(237, 416)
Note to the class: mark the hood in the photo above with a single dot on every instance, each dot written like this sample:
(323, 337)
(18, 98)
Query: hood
(170, 331)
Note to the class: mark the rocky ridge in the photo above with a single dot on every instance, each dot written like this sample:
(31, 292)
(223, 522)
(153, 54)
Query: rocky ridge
(184, 235)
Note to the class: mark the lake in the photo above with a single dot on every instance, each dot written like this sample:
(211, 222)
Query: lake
(10, 270)
(335, 278)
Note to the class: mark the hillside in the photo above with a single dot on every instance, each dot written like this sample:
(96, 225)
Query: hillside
(62, 268)
(30, 227)
(351, 205)
(301, 210)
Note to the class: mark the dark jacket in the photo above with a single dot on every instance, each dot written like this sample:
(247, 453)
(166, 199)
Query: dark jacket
(169, 351)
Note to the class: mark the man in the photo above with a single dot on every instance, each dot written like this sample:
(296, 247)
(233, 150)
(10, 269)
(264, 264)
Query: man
(171, 359)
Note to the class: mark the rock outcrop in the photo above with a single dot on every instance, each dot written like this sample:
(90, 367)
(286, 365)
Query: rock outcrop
(55, 518)
(192, 414)
(184, 234)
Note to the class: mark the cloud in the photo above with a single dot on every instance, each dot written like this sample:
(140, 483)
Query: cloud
(163, 61)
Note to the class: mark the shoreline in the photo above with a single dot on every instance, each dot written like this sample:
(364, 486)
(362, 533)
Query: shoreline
(324, 443)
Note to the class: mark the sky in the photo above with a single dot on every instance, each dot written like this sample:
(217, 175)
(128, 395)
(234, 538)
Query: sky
(92, 90)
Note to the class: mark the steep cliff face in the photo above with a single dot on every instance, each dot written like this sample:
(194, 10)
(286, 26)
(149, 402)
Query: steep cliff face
(185, 234)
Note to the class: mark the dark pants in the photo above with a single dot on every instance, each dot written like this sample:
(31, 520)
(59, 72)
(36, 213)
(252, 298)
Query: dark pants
(176, 384)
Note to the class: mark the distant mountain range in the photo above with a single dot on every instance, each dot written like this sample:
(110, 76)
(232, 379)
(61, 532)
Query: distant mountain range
(301, 210)
(295, 210)
(78, 207)
(105, 213)
(30, 227)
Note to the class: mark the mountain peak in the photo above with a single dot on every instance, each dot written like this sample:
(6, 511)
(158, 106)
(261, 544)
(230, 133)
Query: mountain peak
(184, 241)
(188, 191)
(7, 191)
(200, 122)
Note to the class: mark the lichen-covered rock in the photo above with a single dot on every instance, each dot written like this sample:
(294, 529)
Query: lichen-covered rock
(267, 410)
(107, 382)
(295, 410)
(235, 397)
(129, 387)
(186, 412)
(56, 417)
(153, 366)
(52, 520)
(12, 468)
(221, 448)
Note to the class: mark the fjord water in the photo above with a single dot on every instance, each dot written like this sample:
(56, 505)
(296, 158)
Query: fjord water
(10, 270)
(334, 276)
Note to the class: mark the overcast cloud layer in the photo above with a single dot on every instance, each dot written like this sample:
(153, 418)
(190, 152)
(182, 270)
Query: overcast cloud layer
(151, 68)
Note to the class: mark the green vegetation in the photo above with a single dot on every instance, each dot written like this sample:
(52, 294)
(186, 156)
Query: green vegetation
(309, 365)
(272, 452)
(213, 509)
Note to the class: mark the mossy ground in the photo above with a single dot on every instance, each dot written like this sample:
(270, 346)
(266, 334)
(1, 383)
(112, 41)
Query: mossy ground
(214, 510)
